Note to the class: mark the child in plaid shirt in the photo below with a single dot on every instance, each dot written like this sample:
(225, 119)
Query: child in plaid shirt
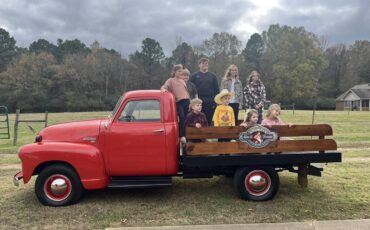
(255, 94)
(196, 118)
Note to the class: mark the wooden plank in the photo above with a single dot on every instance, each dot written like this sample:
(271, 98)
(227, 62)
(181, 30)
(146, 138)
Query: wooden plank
(281, 130)
(303, 130)
(213, 132)
(31, 121)
(211, 148)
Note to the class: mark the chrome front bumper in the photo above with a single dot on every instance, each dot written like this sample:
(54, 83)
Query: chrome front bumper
(17, 177)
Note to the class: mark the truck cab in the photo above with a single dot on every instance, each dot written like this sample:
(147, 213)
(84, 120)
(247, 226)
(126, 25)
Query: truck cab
(141, 138)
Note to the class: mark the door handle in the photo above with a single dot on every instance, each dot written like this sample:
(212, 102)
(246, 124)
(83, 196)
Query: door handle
(158, 131)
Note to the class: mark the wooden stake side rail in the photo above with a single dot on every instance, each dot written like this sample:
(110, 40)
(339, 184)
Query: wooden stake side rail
(319, 130)
(215, 148)
(319, 144)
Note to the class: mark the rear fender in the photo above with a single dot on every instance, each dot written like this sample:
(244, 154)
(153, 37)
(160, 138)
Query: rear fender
(85, 159)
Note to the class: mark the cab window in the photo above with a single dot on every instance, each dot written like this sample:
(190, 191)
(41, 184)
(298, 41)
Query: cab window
(141, 111)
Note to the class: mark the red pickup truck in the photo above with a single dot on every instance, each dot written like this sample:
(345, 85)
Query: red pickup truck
(138, 146)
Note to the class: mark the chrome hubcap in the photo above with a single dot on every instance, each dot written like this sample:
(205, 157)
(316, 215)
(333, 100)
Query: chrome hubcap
(57, 187)
(257, 182)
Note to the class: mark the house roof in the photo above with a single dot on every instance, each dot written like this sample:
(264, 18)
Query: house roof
(342, 96)
(362, 91)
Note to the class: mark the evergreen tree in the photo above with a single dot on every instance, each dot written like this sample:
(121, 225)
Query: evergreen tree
(7, 49)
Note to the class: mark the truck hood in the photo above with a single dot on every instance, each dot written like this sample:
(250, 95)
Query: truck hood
(76, 132)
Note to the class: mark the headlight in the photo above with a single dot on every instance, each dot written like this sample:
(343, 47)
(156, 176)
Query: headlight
(38, 138)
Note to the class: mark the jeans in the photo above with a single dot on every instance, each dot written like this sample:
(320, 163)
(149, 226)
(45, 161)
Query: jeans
(235, 107)
(182, 108)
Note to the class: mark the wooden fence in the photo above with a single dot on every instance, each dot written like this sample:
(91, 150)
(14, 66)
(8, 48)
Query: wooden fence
(4, 123)
(17, 121)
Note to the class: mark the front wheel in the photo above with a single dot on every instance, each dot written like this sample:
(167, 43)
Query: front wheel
(58, 185)
(257, 184)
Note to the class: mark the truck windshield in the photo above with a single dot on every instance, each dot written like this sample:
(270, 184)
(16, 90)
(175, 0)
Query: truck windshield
(116, 107)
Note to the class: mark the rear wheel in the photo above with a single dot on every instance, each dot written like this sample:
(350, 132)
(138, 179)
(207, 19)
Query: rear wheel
(256, 184)
(58, 185)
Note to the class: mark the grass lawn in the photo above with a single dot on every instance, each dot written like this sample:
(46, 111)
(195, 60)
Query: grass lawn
(341, 193)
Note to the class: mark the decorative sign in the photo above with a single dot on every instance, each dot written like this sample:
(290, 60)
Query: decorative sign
(258, 136)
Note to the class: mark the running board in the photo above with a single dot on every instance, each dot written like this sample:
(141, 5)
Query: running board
(139, 182)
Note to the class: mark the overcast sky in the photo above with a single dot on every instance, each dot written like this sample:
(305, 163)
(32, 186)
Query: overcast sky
(122, 25)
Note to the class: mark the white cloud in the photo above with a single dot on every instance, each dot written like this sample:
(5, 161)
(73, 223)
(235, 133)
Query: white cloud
(248, 23)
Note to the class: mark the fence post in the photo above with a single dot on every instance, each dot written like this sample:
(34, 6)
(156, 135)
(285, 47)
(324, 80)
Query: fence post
(16, 127)
(46, 118)
(313, 113)
(293, 108)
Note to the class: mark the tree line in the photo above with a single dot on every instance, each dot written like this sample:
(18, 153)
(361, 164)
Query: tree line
(296, 66)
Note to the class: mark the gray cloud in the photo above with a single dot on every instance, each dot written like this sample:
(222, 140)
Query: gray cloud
(338, 21)
(122, 25)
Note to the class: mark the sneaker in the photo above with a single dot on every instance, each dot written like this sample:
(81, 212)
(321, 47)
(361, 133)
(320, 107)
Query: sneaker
(233, 140)
(183, 140)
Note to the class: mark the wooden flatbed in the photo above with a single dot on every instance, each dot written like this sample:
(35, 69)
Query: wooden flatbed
(295, 149)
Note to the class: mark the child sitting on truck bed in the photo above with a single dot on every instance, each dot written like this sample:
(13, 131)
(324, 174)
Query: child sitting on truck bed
(196, 118)
(177, 86)
(250, 119)
(272, 116)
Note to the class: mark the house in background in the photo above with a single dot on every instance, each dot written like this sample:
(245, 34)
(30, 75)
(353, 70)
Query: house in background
(356, 98)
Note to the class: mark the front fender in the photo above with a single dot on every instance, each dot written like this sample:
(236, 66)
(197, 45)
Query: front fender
(86, 159)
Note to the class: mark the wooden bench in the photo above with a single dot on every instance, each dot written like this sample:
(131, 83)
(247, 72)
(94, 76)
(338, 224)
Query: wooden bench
(296, 143)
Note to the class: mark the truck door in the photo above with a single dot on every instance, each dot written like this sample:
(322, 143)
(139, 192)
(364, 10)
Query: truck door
(136, 140)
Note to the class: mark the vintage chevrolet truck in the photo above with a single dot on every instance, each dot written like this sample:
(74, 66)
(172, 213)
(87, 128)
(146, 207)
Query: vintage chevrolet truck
(138, 146)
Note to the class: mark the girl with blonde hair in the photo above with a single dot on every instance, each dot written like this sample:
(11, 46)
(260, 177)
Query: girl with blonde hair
(231, 82)
(177, 86)
(272, 116)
